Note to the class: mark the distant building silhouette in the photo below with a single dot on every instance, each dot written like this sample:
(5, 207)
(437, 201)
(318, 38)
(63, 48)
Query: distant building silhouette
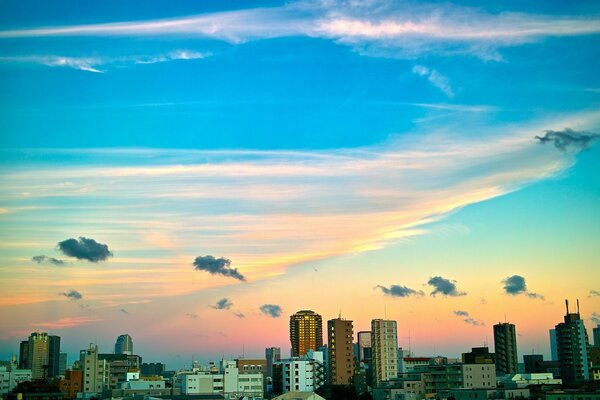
(572, 348)
(505, 347)
(124, 345)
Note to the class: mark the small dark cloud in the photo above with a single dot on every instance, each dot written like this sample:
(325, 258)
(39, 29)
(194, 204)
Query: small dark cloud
(272, 310)
(515, 285)
(124, 311)
(594, 293)
(444, 287)
(569, 139)
(467, 318)
(72, 294)
(217, 266)
(47, 260)
(223, 304)
(595, 319)
(239, 314)
(191, 315)
(399, 291)
(483, 301)
(85, 249)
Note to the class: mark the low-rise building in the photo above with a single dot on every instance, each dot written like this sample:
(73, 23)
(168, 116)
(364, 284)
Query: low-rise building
(485, 394)
(301, 374)
(227, 380)
(11, 376)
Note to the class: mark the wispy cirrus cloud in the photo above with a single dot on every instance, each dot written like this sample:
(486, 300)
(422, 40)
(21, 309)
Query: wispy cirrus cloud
(396, 29)
(102, 64)
(467, 318)
(435, 78)
(271, 210)
(66, 322)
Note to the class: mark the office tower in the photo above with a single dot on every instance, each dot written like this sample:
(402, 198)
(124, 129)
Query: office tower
(341, 355)
(364, 346)
(572, 348)
(53, 356)
(62, 365)
(505, 346)
(24, 355)
(596, 333)
(553, 347)
(273, 355)
(124, 345)
(95, 371)
(384, 342)
(306, 332)
(41, 354)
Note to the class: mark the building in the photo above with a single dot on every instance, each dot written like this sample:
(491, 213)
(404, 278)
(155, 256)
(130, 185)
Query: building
(341, 354)
(11, 376)
(596, 334)
(299, 396)
(484, 394)
(95, 371)
(572, 349)
(253, 366)
(71, 384)
(364, 346)
(526, 380)
(384, 342)
(119, 366)
(408, 364)
(306, 332)
(505, 347)
(478, 355)
(227, 380)
(273, 355)
(407, 386)
(124, 345)
(41, 354)
(299, 374)
(62, 363)
(152, 369)
(553, 346)
(478, 376)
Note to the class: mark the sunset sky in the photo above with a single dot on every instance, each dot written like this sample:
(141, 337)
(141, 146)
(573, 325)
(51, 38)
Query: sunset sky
(193, 173)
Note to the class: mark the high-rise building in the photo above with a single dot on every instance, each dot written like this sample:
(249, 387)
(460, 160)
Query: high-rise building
(124, 345)
(273, 355)
(596, 334)
(41, 354)
(306, 332)
(94, 370)
(572, 348)
(341, 354)
(364, 346)
(505, 347)
(384, 342)
(62, 365)
(553, 345)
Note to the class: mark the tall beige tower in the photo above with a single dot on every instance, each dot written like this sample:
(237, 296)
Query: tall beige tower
(341, 354)
(38, 355)
(384, 344)
(306, 332)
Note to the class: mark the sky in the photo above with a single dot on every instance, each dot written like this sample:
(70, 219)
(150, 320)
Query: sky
(193, 173)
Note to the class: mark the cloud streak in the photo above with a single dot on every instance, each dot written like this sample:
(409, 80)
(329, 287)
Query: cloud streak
(467, 319)
(217, 266)
(72, 295)
(47, 260)
(103, 64)
(85, 249)
(399, 291)
(515, 285)
(444, 287)
(569, 139)
(374, 28)
(223, 304)
(271, 310)
(438, 80)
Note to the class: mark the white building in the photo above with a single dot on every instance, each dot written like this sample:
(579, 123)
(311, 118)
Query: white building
(95, 372)
(478, 376)
(227, 381)
(11, 376)
(303, 374)
(384, 347)
(524, 380)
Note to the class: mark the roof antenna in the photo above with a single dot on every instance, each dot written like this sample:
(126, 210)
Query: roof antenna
(567, 303)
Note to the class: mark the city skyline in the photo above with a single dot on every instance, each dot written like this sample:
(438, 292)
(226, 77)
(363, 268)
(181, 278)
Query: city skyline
(195, 174)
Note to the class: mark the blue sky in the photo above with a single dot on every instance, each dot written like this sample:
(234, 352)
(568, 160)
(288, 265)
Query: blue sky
(393, 139)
